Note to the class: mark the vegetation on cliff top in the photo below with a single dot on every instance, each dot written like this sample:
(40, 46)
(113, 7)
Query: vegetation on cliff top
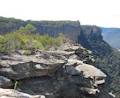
(26, 38)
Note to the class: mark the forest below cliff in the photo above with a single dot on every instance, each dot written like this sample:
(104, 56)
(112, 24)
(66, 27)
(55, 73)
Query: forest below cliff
(112, 36)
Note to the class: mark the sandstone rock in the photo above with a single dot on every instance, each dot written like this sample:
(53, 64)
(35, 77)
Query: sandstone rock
(82, 53)
(74, 57)
(74, 62)
(60, 73)
(43, 64)
(90, 71)
(10, 93)
(87, 70)
(85, 55)
(21, 66)
(63, 53)
(5, 82)
(90, 91)
(95, 75)
(69, 47)
(72, 71)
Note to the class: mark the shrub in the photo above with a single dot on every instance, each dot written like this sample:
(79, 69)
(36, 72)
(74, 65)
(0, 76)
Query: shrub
(25, 39)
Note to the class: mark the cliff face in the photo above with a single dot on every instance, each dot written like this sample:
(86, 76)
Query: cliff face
(62, 73)
(106, 57)
(88, 36)
(91, 38)
(70, 29)
(10, 24)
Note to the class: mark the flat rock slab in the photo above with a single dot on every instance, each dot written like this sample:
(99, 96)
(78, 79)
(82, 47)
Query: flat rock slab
(20, 66)
(10, 93)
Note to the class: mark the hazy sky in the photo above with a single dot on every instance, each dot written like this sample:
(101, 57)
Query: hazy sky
(98, 12)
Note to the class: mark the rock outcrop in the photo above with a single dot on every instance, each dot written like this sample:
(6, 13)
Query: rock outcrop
(62, 73)
(88, 36)
(18, 67)
(10, 93)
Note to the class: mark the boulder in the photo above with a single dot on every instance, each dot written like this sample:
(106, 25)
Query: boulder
(90, 71)
(77, 68)
(86, 69)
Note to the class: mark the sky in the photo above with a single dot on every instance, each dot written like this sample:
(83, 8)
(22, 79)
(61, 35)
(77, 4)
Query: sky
(105, 13)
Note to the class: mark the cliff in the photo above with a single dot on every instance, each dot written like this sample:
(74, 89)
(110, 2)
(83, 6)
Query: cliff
(107, 58)
(70, 29)
(62, 73)
(89, 37)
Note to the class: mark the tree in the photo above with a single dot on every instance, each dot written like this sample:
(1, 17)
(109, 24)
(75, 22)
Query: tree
(29, 28)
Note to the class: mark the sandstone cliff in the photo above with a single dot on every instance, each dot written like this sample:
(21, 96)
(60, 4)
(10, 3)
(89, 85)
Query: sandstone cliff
(90, 37)
(62, 73)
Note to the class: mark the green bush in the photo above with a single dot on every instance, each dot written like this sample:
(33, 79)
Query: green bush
(27, 40)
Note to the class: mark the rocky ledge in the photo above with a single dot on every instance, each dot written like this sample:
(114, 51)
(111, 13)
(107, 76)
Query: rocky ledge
(63, 73)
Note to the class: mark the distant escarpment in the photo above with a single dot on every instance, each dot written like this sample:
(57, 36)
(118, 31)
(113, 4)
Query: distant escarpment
(89, 36)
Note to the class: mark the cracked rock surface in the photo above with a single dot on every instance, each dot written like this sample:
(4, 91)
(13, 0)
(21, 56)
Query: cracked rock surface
(63, 73)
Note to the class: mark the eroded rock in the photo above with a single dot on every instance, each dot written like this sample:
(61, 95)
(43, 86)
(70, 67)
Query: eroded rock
(10, 93)
(63, 73)
(20, 66)
(5, 82)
